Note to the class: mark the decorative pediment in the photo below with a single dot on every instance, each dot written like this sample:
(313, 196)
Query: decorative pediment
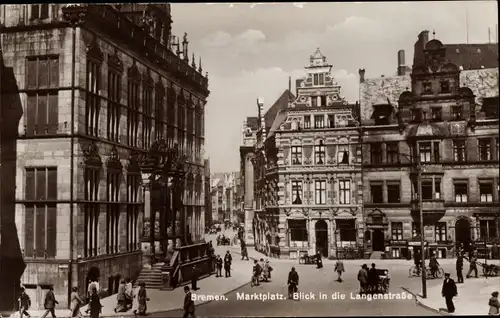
(344, 214)
(133, 162)
(147, 79)
(113, 161)
(376, 217)
(91, 156)
(133, 72)
(115, 62)
(94, 52)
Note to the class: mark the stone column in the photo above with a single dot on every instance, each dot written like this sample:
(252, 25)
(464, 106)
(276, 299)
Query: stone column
(146, 183)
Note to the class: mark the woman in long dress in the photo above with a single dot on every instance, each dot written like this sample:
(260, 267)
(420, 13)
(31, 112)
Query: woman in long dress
(76, 302)
(95, 306)
(142, 298)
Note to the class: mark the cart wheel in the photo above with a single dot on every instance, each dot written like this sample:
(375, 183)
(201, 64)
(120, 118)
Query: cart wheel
(440, 273)
(302, 261)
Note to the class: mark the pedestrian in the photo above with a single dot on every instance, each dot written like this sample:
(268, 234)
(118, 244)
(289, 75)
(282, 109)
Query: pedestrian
(449, 291)
(460, 267)
(129, 292)
(256, 271)
(24, 303)
(373, 279)
(418, 261)
(227, 263)
(268, 268)
(218, 264)
(472, 266)
(95, 307)
(50, 303)
(121, 298)
(75, 304)
(93, 284)
(363, 278)
(188, 303)
(244, 253)
(142, 299)
(339, 268)
(194, 279)
(434, 265)
(494, 304)
(319, 261)
(293, 283)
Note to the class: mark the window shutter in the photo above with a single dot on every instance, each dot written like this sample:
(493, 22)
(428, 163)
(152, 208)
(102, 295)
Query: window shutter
(471, 149)
(43, 73)
(41, 118)
(40, 184)
(52, 184)
(31, 115)
(54, 72)
(31, 75)
(40, 231)
(51, 231)
(28, 231)
(29, 193)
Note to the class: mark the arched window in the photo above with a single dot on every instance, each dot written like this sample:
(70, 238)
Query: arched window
(343, 154)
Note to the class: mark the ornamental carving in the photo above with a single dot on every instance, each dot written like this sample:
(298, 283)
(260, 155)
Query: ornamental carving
(458, 128)
(91, 156)
(133, 72)
(114, 62)
(133, 162)
(305, 211)
(113, 161)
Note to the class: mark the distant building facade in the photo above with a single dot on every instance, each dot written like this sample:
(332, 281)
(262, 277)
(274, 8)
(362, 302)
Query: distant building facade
(308, 170)
(446, 113)
(209, 220)
(226, 202)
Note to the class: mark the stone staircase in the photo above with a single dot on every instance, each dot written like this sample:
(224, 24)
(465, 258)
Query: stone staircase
(151, 276)
(376, 255)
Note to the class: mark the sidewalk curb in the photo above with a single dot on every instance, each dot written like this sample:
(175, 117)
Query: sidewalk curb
(418, 302)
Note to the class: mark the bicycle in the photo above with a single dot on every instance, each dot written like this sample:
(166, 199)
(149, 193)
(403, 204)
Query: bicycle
(414, 272)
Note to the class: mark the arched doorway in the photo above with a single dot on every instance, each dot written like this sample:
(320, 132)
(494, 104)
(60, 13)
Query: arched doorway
(92, 276)
(463, 233)
(322, 237)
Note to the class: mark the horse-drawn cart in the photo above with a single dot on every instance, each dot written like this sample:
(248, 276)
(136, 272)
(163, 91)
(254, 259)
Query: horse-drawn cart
(490, 269)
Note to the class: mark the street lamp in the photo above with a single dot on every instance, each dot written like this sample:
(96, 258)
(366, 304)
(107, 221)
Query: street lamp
(165, 167)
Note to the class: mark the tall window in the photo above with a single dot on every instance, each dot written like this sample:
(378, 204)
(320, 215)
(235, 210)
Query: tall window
(392, 152)
(486, 190)
(298, 230)
(440, 232)
(331, 121)
(114, 108)
(347, 229)
(307, 122)
(319, 121)
(457, 112)
(41, 212)
(425, 151)
(42, 81)
(160, 124)
(436, 157)
(113, 211)
(461, 190)
(397, 231)
(345, 191)
(415, 229)
(91, 208)
(318, 79)
(320, 191)
(343, 154)
(296, 192)
(436, 113)
(427, 88)
(445, 87)
(133, 109)
(181, 120)
(427, 189)
(296, 155)
(437, 188)
(376, 153)
(147, 115)
(484, 145)
(393, 192)
(171, 101)
(319, 153)
(314, 101)
(459, 150)
(133, 205)
(487, 230)
(39, 11)
(92, 100)
(376, 192)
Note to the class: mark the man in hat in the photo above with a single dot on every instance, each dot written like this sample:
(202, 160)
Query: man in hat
(188, 303)
(448, 292)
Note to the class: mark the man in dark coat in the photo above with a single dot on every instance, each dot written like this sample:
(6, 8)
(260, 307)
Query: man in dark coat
(293, 282)
(373, 279)
(188, 303)
(228, 259)
(218, 264)
(195, 277)
(460, 267)
(449, 291)
(472, 266)
(24, 303)
(50, 303)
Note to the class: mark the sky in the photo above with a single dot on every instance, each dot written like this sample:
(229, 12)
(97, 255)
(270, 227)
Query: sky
(250, 49)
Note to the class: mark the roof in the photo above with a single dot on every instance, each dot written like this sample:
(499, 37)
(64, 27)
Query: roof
(253, 123)
(280, 103)
(280, 119)
(473, 56)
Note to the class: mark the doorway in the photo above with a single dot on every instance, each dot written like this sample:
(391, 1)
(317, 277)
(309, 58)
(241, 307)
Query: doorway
(378, 240)
(322, 237)
(463, 233)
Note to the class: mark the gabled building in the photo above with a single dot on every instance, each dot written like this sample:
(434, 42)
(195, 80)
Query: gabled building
(308, 170)
(444, 114)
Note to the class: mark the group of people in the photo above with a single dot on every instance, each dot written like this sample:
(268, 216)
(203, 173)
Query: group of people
(228, 259)
(261, 271)
(125, 297)
(369, 279)
(49, 303)
(223, 240)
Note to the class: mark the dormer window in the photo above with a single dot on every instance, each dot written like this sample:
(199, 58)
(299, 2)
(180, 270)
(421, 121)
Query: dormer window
(318, 79)
(436, 113)
(427, 88)
(445, 87)
(416, 115)
(381, 114)
(457, 112)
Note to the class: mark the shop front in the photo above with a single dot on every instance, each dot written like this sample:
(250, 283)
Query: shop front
(398, 249)
(415, 245)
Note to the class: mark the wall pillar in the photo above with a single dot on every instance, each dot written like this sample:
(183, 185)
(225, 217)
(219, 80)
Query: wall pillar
(148, 216)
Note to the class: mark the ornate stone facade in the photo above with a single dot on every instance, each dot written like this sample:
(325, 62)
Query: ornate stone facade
(308, 170)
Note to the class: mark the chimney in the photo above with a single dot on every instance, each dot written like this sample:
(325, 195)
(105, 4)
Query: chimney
(401, 63)
(423, 37)
(361, 75)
